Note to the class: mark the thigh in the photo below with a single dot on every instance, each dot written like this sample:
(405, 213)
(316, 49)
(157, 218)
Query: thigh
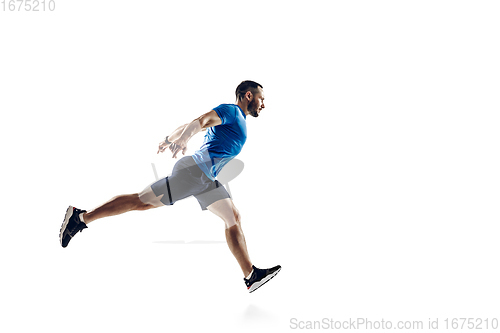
(226, 210)
(215, 191)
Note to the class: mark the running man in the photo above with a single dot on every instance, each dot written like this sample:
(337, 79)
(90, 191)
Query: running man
(195, 176)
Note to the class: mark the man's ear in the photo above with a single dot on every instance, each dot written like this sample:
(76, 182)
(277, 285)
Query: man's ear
(249, 95)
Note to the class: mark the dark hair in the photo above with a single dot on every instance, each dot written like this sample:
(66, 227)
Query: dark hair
(245, 86)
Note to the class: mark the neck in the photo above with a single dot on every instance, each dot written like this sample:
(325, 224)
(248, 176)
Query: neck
(243, 106)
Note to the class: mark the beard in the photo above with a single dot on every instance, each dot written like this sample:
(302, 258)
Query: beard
(252, 109)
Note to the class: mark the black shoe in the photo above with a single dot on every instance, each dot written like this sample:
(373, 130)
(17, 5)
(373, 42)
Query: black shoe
(260, 276)
(71, 225)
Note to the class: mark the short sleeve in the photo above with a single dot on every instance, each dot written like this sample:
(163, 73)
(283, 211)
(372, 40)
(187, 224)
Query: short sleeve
(227, 113)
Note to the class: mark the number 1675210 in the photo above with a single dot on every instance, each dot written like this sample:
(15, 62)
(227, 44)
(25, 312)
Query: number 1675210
(27, 5)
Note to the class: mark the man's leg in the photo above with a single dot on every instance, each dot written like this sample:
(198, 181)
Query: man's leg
(76, 219)
(226, 210)
(124, 203)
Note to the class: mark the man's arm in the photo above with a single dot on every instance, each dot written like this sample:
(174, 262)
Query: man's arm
(183, 134)
(209, 119)
(177, 133)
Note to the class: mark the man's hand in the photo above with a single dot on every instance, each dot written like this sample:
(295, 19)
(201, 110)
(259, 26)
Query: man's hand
(176, 146)
(163, 145)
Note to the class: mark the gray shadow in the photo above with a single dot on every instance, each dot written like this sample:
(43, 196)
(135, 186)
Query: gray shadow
(229, 172)
(255, 316)
(181, 242)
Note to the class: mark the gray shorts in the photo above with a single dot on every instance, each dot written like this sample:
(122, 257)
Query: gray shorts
(187, 180)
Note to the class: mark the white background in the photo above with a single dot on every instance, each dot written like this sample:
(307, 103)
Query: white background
(371, 176)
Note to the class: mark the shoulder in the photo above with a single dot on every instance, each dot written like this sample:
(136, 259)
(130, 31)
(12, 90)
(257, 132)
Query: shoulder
(227, 112)
(227, 107)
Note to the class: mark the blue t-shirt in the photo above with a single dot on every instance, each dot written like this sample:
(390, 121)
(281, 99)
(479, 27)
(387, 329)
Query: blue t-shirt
(223, 142)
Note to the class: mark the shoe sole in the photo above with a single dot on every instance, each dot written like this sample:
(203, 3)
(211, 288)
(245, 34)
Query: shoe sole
(260, 283)
(69, 213)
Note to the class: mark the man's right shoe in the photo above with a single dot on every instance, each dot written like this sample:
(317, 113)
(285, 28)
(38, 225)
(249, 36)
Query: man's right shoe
(260, 276)
(71, 225)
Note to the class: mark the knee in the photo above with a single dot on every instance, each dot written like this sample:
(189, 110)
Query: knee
(147, 199)
(234, 219)
(237, 217)
(141, 205)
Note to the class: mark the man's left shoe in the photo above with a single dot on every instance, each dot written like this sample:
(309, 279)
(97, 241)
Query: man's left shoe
(71, 225)
(260, 277)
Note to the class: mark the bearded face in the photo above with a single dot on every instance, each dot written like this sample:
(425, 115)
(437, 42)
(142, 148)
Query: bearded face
(254, 108)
